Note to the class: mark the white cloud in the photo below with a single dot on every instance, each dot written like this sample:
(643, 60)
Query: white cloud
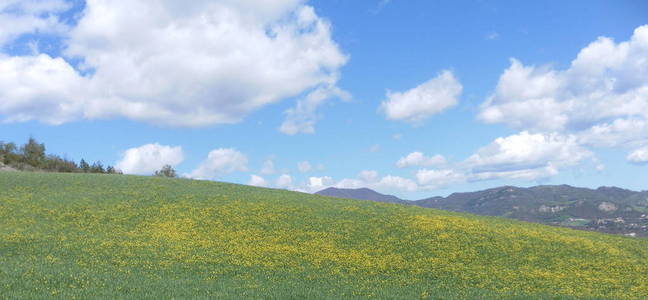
(368, 175)
(639, 156)
(423, 101)
(493, 35)
(620, 132)
(526, 156)
(439, 178)
(191, 63)
(530, 156)
(315, 184)
(220, 162)
(398, 183)
(383, 184)
(366, 179)
(147, 159)
(418, 159)
(30, 16)
(304, 166)
(40, 88)
(268, 167)
(519, 156)
(256, 180)
(302, 118)
(33, 7)
(602, 97)
(285, 182)
(523, 99)
(350, 183)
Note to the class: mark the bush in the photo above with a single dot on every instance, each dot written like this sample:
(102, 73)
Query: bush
(9, 153)
(97, 167)
(166, 171)
(55, 163)
(84, 166)
(33, 153)
(32, 157)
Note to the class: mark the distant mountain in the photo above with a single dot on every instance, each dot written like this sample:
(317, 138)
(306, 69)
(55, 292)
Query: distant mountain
(606, 209)
(361, 194)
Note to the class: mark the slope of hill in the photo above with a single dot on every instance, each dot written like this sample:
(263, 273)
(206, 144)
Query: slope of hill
(100, 236)
(361, 194)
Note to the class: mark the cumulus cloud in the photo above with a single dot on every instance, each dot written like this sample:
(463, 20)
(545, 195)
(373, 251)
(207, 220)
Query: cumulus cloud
(639, 156)
(302, 118)
(40, 88)
(304, 166)
(423, 101)
(620, 132)
(256, 180)
(366, 179)
(530, 156)
(31, 16)
(191, 63)
(268, 167)
(220, 162)
(384, 184)
(433, 179)
(285, 182)
(147, 159)
(398, 183)
(368, 175)
(315, 184)
(492, 35)
(602, 96)
(526, 155)
(418, 159)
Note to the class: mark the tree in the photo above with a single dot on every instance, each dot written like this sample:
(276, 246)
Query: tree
(84, 166)
(57, 164)
(166, 171)
(97, 167)
(33, 153)
(10, 156)
(2, 153)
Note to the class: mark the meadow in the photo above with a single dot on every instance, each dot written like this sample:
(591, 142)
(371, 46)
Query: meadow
(80, 236)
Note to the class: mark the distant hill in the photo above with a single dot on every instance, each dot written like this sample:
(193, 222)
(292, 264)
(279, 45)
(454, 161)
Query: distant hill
(606, 209)
(361, 194)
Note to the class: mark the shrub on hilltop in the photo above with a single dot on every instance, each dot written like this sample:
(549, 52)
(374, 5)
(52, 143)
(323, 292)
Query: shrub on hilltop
(166, 171)
(32, 157)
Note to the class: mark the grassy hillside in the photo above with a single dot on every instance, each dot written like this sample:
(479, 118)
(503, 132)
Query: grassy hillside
(85, 236)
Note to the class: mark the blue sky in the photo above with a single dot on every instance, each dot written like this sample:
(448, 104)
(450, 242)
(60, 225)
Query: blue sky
(489, 92)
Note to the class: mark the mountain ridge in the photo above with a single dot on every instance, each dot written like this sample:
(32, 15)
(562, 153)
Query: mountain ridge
(361, 194)
(606, 209)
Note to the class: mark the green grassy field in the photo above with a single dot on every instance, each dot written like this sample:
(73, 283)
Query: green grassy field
(108, 236)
